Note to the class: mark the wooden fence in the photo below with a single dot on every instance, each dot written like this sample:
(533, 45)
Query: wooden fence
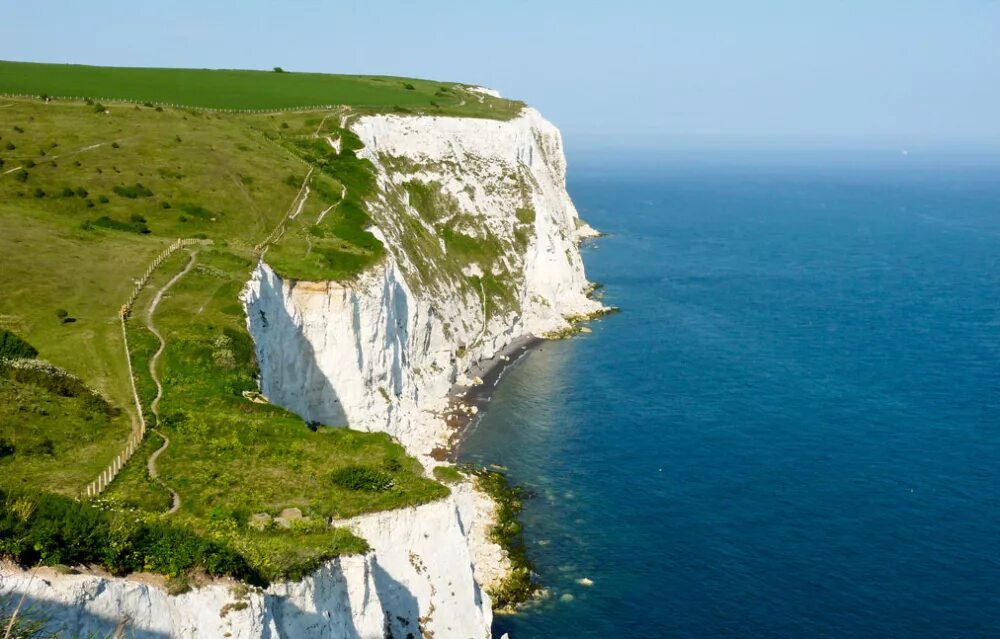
(97, 486)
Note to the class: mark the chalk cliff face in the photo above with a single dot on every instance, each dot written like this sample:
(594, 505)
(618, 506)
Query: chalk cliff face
(417, 581)
(481, 242)
(381, 352)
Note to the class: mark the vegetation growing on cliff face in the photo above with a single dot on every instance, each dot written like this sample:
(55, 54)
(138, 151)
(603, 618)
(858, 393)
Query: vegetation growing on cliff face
(445, 244)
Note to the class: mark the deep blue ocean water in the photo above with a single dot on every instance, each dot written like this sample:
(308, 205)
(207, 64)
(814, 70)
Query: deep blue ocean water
(793, 427)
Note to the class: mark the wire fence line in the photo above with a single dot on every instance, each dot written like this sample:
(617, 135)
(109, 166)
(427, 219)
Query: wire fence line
(77, 98)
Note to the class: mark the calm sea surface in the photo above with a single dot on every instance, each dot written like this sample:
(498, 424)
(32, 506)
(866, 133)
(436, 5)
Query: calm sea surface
(793, 427)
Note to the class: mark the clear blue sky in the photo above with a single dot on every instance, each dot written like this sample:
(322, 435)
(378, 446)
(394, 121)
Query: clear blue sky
(906, 71)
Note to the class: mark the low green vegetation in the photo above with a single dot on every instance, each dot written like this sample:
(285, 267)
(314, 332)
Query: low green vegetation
(328, 238)
(247, 90)
(56, 433)
(13, 347)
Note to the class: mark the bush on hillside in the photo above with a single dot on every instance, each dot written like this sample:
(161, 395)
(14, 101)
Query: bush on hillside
(13, 347)
(117, 225)
(132, 192)
(363, 478)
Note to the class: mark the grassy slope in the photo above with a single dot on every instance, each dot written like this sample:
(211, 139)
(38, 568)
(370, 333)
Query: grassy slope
(229, 179)
(228, 89)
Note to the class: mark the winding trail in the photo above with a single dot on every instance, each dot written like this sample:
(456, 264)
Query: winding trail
(154, 406)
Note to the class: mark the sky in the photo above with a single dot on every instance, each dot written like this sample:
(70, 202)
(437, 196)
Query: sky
(704, 72)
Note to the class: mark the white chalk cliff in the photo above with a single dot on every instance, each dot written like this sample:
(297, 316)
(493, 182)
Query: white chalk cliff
(417, 580)
(380, 353)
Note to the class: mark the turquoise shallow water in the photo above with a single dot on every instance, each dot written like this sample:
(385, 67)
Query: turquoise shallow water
(793, 427)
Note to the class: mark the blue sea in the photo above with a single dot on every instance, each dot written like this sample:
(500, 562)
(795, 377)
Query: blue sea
(792, 429)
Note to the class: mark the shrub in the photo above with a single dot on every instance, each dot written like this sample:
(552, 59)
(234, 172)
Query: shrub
(116, 225)
(409, 87)
(103, 199)
(159, 109)
(7, 448)
(38, 193)
(148, 104)
(81, 192)
(18, 129)
(115, 145)
(30, 164)
(10, 146)
(67, 192)
(21, 176)
(278, 70)
(89, 203)
(363, 478)
(164, 205)
(135, 217)
(45, 447)
(133, 192)
(284, 125)
(13, 347)
(100, 108)
(196, 210)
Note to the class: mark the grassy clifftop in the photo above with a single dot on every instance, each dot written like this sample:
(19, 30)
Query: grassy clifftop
(249, 90)
(90, 193)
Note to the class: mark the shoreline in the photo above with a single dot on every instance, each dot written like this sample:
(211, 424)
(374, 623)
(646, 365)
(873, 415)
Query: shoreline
(467, 402)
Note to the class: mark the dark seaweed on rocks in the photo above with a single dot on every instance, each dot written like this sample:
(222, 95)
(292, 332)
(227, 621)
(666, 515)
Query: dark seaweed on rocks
(520, 585)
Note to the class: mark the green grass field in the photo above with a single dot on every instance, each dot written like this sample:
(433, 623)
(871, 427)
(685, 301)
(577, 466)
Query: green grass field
(248, 90)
